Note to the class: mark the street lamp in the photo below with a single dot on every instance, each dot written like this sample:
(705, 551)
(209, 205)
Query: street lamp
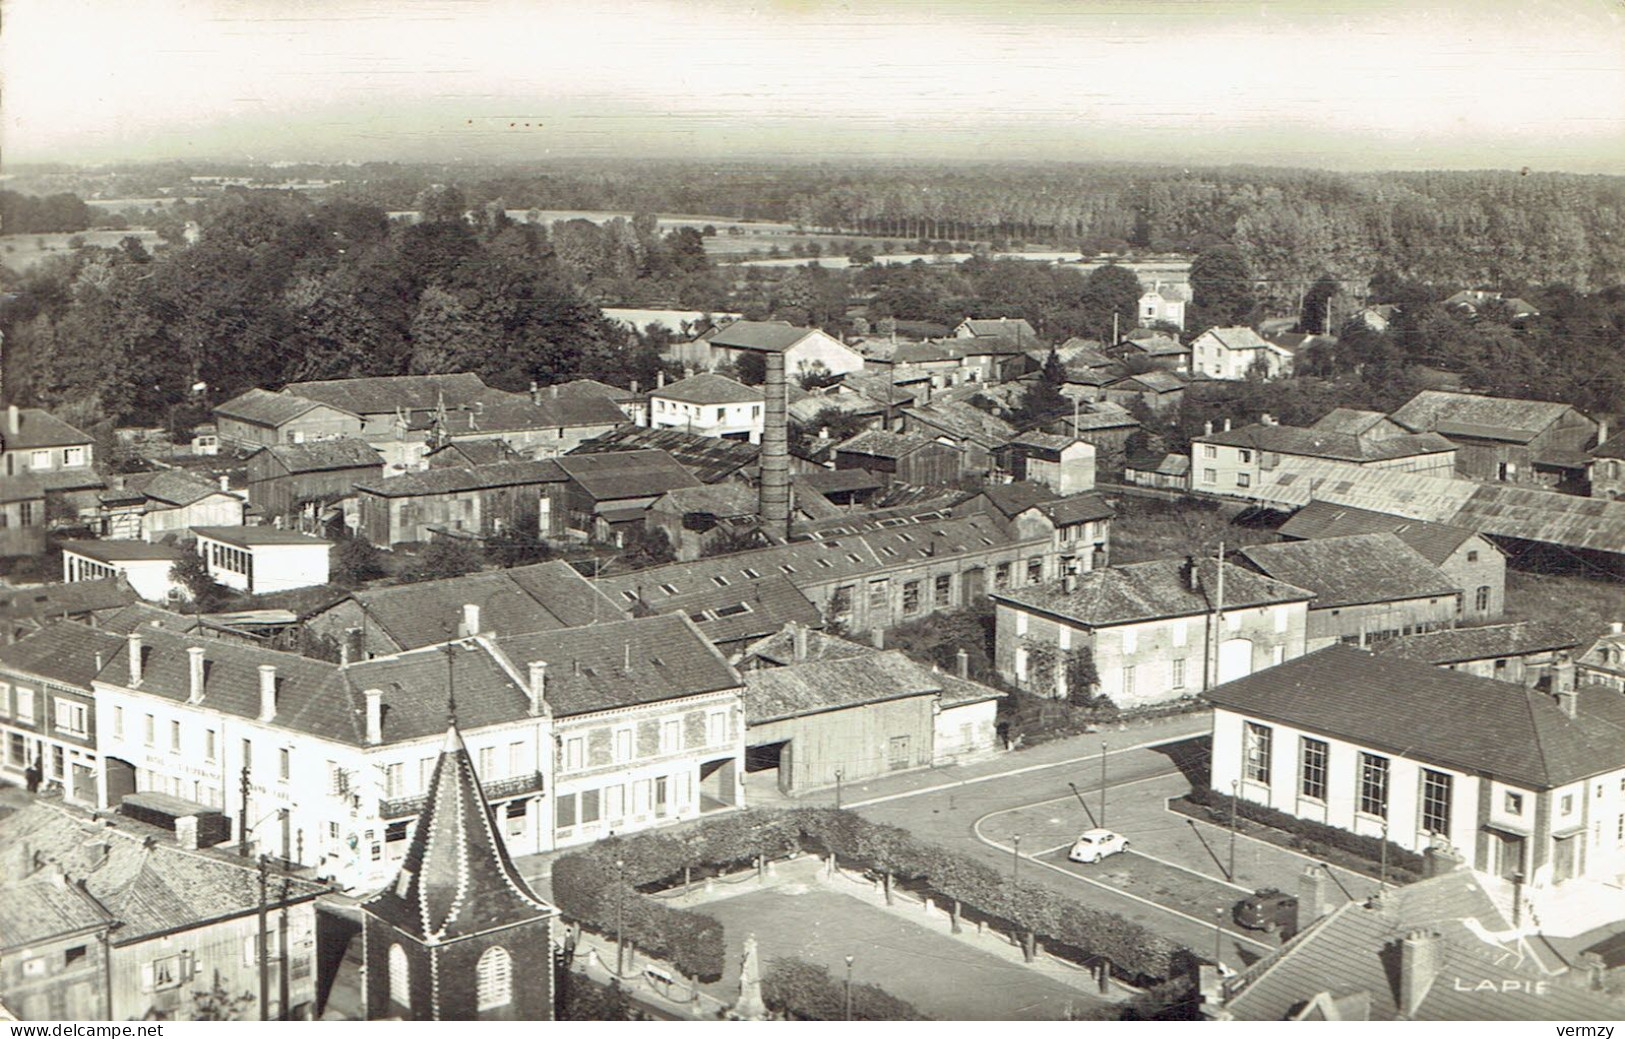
(1103, 782)
(1235, 795)
(849, 988)
(1015, 861)
(1218, 935)
(838, 775)
(620, 919)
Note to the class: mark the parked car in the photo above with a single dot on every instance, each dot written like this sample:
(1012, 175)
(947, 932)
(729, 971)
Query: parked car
(1269, 911)
(1094, 845)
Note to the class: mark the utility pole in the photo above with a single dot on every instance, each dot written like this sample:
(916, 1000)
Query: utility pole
(1235, 795)
(1103, 782)
(259, 944)
(282, 951)
(849, 988)
(620, 919)
(1382, 875)
(1015, 860)
(837, 789)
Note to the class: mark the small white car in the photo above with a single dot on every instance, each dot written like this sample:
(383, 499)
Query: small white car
(1094, 845)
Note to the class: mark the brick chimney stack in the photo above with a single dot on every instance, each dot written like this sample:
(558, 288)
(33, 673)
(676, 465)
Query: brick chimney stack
(1421, 954)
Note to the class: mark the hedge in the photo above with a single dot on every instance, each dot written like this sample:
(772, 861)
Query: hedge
(804, 991)
(584, 887)
(1404, 865)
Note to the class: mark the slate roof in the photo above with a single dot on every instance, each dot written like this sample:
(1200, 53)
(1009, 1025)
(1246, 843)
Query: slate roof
(66, 598)
(1614, 447)
(65, 652)
(831, 481)
(1475, 415)
(168, 486)
(958, 419)
(1077, 508)
(516, 601)
(1170, 464)
(1000, 327)
(722, 499)
(264, 408)
(745, 608)
(383, 394)
(76, 479)
(147, 889)
(249, 537)
(1349, 420)
(810, 687)
(1146, 591)
(1486, 642)
(35, 909)
(1154, 344)
(1155, 381)
(37, 428)
(1350, 958)
(877, 388)
(1053, 443)
(770, 336)
(587, 669)
(625, 474)
(1319, 519)
(1317, 443)
(593, 388)
(1237, 337)
(1437, 716)
(139, 615)
(325, 455)
(486, 451)
(779, 648)
(497, 412)
(1352, 571)
(1097, 415)
(456, 880)
(121, 551)
(1012, 499)
(880, 443)
(456, 479)
(709, 388)
(708, 458)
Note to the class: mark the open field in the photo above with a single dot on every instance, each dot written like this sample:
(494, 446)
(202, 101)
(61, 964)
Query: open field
(22, 252)
(945, 978)
(1583, 605)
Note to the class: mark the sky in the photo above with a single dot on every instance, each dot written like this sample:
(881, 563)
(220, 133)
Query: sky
(1335, 83)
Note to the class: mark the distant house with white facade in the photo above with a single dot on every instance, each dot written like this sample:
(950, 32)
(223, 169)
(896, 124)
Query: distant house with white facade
(1224, 461)
(710, 405)
(806, 350)
(257, 560)
(1230, 353)
(1164, 303)
(59, 457)
(1017, 329)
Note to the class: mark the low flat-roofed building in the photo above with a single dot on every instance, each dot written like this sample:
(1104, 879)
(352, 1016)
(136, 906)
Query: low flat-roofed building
(257, 560)
(145, 566)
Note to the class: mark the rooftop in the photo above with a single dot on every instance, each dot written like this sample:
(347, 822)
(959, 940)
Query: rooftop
(457, 479)
(743, 608)
(497, 412)
(810, 687)
(708, 458)
(250, 537)
(388, 393)
(1437, 716)
(1353, 570)
(1475, 415)
(1237, 337)
(1349, 420)
(65, 652)
(617, 475)
(1318, 443)
(1486, 642)
(1146, 591)
(622, 663)
(709, 388)
(264, 408)
(121, 551)
(767, 336)
(883, 444)
(37, 428)
(325, 455)
(1435, 541)
(66, 598)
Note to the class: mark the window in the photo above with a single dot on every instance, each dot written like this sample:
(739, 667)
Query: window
(1567, 804)
(943, 593)
(399, 991)
(493, 978)
(1177, 678)
(248, 750)
(1258, 742)
(671, 735)
(284, 763)
(1245, 456)
(1179, 633)
(1481, 600)
(41, 460)
(118, 720)
(395, 833)
(1209, 451)
(208, 745)
(564, 811)
(1021, 663)
(150, 735)
(589, 806)
(25, 704)
(488, 763)
(623, 744)
(615, 801)
(911, 597)
(716, 728)
(393, 787)
(1131, 640)
(1312, 768)
(516, 759)
(878, 594)
(1435, 801)
(575, 751)
(1128, 680)
(1513, 804)
(1035, 570)
(1472, 556)
(73, 456)
(175, 736)
(1374, 785)
(1244, 480)
(1210, 476)
(70, 717)
(1001, 575)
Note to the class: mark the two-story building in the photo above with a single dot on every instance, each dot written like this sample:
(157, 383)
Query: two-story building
(304, 485)
(476, 501)
(1228, 461)
(646, 718)
(711, 405)
(1152, 632)
(634, 405)
(107, 923)
(1078, 526)
(1605, 472)
(153, 506)
(1064, 464)
(47, 710)
(542, 425)
(1504, 439)
(1602, 660)
(915, 460)
(1368, 587)
(398, 412)
(1233, 353)
(1164, 303)
(22, 516)
(1147, 347)
(259, 418)
(60, 458)
(1471, 561)
(1526, 786)
(602, 495)
(807, 351)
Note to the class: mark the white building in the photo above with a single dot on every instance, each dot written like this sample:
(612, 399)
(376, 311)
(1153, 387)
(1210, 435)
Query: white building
(145, 566)
(711, 405)
(1165, 304)
(1230, 353)
(806, 350)
(263, 559)
(1524, 785)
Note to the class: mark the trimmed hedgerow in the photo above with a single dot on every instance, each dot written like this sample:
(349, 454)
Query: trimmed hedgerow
(805, 991)
(1306, 835)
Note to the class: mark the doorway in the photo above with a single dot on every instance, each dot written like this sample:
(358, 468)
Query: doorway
(1235, 659)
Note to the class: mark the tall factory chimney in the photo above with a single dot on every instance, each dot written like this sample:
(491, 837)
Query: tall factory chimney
(774, 506)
